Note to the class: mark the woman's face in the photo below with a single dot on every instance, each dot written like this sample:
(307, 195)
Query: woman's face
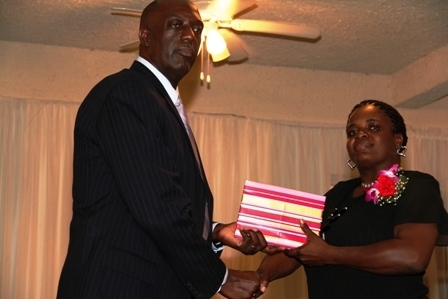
(371, 143)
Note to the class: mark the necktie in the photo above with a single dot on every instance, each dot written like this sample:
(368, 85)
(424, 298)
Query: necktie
(183, 116)
(180, 108)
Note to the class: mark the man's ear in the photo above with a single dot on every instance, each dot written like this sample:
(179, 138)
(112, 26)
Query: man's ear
(143, 37)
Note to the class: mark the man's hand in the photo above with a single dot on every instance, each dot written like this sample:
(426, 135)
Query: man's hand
(252, 241)
(241, 284)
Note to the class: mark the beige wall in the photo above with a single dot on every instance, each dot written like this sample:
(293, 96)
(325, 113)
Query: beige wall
(34, 72)
(29, 71)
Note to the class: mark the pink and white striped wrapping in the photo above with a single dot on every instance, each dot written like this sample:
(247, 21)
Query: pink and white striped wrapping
(276, 211)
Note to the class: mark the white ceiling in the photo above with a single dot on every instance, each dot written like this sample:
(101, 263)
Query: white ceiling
(365, 36)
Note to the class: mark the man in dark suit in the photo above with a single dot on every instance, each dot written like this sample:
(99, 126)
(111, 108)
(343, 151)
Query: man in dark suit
(140, 196)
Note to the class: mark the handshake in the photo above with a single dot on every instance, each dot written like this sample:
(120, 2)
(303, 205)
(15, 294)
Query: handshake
(279, 262)
(243, 285)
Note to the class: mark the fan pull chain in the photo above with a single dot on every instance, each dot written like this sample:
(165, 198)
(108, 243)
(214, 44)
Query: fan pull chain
(208, 68)
(201, 76)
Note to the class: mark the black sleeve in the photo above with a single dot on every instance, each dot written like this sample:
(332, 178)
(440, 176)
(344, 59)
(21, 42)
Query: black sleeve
(421, 202)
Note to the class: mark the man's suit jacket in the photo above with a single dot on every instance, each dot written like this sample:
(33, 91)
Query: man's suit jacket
(138, 198)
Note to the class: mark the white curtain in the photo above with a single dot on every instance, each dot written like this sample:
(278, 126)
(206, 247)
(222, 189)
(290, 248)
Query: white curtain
(36, 147)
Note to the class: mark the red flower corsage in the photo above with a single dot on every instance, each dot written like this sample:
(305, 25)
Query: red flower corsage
(388, 187)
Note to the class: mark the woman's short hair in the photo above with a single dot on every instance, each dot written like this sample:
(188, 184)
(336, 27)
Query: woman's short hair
(391, 112)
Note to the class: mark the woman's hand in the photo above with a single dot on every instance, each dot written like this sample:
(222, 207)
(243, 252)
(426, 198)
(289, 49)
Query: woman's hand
(314, 252)
(241, 285)
(273, 267)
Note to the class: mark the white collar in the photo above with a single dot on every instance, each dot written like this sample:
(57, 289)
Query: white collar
(172, 92)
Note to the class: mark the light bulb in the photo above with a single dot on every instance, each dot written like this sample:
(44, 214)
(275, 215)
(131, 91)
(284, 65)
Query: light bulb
(216, 45)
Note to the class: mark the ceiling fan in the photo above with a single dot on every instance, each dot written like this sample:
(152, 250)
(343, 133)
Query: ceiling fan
(221, 22)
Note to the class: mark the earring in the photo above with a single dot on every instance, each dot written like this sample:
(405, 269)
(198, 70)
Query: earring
(402, 151)
(351, 164)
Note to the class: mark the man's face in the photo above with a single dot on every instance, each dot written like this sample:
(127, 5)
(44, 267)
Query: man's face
(171, 38)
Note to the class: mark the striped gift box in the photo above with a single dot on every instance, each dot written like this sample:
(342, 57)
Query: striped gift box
(276, 211)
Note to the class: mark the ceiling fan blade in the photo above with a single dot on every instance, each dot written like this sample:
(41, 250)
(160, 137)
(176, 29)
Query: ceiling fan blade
(234, 45)
(126, 11)
(129, 47)
(272, 27)
(230, 8)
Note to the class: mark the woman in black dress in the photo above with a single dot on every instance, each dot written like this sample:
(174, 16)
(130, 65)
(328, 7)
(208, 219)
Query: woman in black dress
(379, 230)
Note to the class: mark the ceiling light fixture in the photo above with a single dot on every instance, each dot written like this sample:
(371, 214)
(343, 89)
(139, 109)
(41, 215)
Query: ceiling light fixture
(216, 45)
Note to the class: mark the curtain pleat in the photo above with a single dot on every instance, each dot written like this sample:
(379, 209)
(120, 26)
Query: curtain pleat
(35, 203)
(36, 152)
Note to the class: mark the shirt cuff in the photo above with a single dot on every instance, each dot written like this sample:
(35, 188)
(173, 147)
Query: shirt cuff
(217, 246)
(224, 280)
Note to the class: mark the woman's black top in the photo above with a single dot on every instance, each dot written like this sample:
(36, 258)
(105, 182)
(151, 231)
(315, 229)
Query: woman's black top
(364, 223)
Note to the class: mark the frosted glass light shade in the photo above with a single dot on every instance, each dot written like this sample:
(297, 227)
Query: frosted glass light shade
(216, 46)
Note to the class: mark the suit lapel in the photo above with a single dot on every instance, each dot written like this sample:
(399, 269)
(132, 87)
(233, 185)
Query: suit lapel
(148, 75)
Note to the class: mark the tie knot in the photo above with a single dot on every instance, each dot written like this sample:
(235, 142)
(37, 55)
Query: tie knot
(179, 102)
